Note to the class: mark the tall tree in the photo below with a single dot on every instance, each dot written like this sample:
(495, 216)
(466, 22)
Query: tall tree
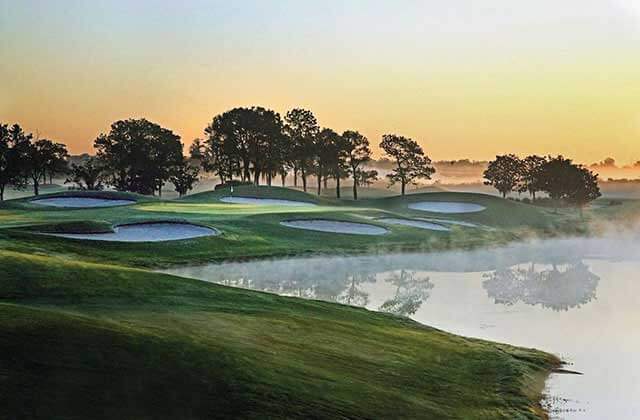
(302, 128)
(336, 157)
(14, 145)
(504, 173)
(531, 176)
(246, 140)
(358, 153)
(410, 162)
(325, 153)
(139, 155)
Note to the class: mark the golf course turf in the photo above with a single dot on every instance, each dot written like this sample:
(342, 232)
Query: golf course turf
(87, 332)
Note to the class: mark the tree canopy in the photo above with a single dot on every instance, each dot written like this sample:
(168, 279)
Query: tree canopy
(410, 162)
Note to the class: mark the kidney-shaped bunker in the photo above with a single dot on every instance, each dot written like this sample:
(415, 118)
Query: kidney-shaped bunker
(146, 232)
(81, 202)
(446, 207)
(334, 226)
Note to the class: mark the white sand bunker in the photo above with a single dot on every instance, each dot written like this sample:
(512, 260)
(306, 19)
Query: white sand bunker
(421, 224)
(81, 202)
(446, 207)
(334, 226)
(146, 232)
(264, 201)
(451, 222)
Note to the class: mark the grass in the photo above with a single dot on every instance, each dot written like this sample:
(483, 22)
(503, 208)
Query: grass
(87, 340)
(86, 332)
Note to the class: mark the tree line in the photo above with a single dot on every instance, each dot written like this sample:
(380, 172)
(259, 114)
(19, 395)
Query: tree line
(558, 177)
(25, 159)
(257, 143)
(243, 144)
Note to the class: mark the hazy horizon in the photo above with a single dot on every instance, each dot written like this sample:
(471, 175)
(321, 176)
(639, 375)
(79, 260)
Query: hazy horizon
(465, 80)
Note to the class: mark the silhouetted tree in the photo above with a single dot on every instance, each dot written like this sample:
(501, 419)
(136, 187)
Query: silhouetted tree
(183, 177)
(583, 187)
(368, 177)
(532, 175)
(504, 173)
(14, 146)
(88, 175)
(139, 155)
(43, 155)
(337, 157)
(248, 140)
(302, 129)
(358, 153)
(410, 162)
(325, 145)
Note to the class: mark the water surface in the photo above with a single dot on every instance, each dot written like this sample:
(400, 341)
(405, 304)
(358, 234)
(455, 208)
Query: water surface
(577, 298)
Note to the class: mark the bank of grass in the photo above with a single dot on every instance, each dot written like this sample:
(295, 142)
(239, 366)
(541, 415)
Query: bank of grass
(84, 340)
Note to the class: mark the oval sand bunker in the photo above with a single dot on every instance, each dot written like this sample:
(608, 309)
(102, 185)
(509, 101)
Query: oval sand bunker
(334, 226)
(146, 232)
(420, 224)
(446, 207)
(264, 201)
(81, 202)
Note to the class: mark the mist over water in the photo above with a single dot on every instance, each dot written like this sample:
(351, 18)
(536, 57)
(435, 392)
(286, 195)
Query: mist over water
(577, 298)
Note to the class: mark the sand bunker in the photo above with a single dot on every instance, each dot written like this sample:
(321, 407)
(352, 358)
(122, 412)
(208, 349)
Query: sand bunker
(264, 201)
(336, 227)
(146, 232)
(446, 207)
(421, 224)
(81, 202)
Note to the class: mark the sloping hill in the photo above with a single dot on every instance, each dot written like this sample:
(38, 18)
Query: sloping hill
(82, 340)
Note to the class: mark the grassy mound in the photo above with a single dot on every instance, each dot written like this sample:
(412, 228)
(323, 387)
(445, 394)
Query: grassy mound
(83, 340)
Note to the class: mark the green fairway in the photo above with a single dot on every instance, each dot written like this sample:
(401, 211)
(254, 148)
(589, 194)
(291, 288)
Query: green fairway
(83, 326)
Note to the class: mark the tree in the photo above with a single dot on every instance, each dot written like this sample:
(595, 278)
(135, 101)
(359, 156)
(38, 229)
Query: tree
(358, 152)
(139, 155)
(531, 175)
(14, 145)
(583, 187)
(326, 142)
(43, 155)
(556, 178)
(183, 177)
(245, 141)
(336, 157)
(302, 128)
(410, 162)
(88, 175)
(504, 173)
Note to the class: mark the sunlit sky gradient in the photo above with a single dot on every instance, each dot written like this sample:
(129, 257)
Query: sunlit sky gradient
(465, 78)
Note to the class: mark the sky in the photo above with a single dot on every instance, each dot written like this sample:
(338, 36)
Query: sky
(465, 78)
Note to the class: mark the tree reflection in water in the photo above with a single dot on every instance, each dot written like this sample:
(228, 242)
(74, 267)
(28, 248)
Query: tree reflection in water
(556, 289)
(411, 291)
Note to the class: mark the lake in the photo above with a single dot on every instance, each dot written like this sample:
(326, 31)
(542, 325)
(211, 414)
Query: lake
(577, 298)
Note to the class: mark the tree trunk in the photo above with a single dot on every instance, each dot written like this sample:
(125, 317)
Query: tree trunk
(1, 192)
(36, 186)
(256, 177)
(303, 175)
(325, 181)
(295, 177)
(355, 189)
(338, 187)
(403, 184)
(504, 194)
(283, 177)
(319, 179)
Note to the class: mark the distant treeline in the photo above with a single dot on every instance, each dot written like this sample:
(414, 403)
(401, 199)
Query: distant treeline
(559, 177)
